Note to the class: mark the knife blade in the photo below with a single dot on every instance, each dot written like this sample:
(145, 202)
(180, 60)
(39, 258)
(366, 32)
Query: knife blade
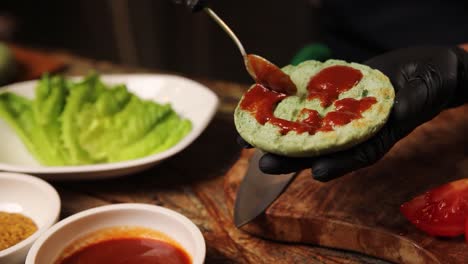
(257, 191)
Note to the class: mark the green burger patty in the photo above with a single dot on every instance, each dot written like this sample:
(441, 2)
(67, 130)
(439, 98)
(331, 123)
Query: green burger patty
(268, 138)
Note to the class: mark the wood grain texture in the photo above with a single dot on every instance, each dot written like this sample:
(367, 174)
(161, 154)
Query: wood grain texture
(191, 183)
(360, 211)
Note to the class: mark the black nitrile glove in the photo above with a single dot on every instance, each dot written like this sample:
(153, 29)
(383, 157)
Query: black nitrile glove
(427, 80)
(194, 5)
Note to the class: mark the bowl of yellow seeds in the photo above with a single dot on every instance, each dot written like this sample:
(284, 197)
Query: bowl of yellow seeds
(28, 207)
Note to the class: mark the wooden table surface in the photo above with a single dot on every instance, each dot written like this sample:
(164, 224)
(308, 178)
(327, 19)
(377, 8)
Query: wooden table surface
(192, 184)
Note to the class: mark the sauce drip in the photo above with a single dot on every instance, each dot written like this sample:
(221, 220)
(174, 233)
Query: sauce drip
(129, 251)
(269, 75)
(330, 82)
(326, 85)
(347, 110)
(261, 102)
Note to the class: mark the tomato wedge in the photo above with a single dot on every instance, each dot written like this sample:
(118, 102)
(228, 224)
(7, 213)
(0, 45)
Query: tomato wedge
(441, 211)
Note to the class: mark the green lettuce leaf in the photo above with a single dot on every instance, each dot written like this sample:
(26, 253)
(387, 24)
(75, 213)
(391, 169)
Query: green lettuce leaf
(48, 105)
(18, 112)
(81, 94)
(86, 122)
(161, 137)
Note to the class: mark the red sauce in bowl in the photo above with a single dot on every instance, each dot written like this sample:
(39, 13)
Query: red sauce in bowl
(129, 251)
(124, 245)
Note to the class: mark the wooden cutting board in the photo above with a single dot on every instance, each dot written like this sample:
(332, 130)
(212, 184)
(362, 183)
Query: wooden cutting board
(360, 211)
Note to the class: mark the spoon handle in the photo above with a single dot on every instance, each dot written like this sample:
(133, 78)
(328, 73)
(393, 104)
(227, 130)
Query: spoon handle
(225, 27)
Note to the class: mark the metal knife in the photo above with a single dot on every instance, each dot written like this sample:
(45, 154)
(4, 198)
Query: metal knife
(257, 191)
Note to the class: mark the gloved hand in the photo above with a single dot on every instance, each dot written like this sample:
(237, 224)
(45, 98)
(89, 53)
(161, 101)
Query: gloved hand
(427, 80)
(194, 5)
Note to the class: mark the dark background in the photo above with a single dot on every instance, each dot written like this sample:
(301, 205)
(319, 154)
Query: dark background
(158, 34)
(161, 35)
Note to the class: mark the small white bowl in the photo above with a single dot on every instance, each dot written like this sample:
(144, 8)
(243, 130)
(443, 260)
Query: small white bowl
(178, 227)
(32, 197)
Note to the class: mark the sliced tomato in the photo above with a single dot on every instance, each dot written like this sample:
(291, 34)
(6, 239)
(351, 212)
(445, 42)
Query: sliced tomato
(441, 211)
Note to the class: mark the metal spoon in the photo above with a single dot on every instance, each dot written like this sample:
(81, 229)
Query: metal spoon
(261, 70)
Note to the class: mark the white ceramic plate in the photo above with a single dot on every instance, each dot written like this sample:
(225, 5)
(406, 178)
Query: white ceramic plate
(188, 98)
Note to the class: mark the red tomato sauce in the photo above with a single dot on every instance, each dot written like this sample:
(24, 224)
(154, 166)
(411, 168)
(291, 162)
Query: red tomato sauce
(269, 75)
(330, 82)
(347, 110)
(327, 85)
(129, 251)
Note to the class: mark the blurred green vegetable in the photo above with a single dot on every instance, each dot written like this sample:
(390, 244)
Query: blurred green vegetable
(86, 122)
